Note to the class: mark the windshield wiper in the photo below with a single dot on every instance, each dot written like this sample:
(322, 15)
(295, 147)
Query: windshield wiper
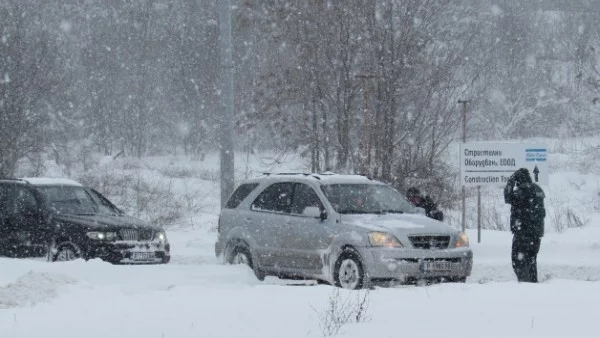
(356, 212)
(67, 201)
(392, 211)
(376, 212)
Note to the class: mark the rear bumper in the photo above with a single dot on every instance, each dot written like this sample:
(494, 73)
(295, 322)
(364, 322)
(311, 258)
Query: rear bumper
(411, 264)
(129, 252)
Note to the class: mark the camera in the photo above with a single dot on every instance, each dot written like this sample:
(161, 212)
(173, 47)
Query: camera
(510, 184)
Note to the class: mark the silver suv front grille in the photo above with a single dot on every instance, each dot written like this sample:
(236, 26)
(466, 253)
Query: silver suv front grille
(430, 242)
(136, 235)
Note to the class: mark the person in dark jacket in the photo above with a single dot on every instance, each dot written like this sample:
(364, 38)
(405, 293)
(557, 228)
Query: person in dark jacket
(415, 197)
(526, 223)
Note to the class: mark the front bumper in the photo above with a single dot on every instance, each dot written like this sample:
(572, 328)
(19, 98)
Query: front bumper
(414, 264)
(129, 252)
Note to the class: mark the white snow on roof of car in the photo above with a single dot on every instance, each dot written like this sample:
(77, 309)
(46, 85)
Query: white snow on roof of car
(326, 178)
(344, 178)
(50, 181)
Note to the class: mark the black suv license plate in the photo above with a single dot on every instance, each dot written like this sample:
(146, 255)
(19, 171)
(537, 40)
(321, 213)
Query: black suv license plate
(142, 256)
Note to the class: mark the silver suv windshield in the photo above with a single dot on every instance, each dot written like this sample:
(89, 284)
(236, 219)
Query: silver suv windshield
(351, 198)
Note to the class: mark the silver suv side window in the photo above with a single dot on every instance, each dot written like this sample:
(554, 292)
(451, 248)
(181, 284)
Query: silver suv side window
(240, 194)
(304, 197)
(275, 198)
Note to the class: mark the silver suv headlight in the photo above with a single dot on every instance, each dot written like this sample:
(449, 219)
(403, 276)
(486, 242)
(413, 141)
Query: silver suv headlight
(462, 240)
(384, 240)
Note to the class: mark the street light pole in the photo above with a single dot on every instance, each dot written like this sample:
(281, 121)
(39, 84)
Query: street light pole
(226, 101)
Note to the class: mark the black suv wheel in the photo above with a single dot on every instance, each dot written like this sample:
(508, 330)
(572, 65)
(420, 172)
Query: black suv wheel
(66, 252)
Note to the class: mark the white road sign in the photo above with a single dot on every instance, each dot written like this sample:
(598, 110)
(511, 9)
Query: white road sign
(491, 164)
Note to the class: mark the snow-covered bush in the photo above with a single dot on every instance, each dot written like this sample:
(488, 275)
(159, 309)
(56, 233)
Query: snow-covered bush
(173, 171)
(151, 198)
(494, 219)
(343, 309)
(560, 216)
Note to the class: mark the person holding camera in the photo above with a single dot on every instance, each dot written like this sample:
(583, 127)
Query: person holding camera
(415, 197)
(526, 223)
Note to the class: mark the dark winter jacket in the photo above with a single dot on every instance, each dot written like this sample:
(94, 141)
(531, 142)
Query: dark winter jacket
(527, 205)
(427, 203)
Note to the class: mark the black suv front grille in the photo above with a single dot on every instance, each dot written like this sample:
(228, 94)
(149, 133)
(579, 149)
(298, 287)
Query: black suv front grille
(430, 242)
(136, 235)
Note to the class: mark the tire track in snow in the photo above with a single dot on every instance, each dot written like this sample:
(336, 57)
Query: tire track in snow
(504, 273)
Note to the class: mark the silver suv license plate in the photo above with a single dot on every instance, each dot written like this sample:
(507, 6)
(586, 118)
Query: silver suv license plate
(435, 266)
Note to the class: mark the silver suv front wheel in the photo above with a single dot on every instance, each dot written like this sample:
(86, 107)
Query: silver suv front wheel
(349, 273)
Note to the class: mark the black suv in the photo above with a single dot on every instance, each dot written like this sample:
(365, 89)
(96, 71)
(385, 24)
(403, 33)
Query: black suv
(63, 220)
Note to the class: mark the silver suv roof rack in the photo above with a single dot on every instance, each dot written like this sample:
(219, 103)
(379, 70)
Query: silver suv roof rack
(268, 174)
(14, 179)
(314, 175)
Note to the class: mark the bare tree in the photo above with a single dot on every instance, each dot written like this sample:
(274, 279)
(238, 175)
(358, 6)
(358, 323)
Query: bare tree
(26, 64)
(365, 87)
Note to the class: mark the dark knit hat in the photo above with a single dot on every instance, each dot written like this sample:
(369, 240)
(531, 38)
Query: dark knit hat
(413, 191)
(522, 176)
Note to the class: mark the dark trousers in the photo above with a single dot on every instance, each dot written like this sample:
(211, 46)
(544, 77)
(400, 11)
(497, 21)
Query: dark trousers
(524, 257)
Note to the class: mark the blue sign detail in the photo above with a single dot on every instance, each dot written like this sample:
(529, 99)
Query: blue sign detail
(535, 155)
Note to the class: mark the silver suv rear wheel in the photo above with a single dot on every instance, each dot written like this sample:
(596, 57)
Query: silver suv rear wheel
(240, 258)
(240, 254)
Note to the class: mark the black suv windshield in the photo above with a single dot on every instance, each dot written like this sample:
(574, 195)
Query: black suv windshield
(366, 199)
(69, 199)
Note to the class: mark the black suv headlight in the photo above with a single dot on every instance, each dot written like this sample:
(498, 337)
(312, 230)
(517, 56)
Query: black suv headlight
(102, 236)
(161, 236)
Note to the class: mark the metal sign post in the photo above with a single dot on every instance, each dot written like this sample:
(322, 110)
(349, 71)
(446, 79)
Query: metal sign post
(464, 193)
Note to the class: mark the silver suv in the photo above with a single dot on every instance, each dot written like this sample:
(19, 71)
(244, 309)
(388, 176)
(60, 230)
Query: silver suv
(345, 230)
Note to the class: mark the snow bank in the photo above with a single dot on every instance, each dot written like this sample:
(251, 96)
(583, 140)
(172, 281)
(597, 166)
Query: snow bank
(32, 288)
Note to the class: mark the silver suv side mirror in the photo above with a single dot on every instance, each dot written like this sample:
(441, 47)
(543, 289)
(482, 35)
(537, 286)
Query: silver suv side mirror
(315, 212)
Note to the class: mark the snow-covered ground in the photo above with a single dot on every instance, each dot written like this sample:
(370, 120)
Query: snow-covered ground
(195, 296)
